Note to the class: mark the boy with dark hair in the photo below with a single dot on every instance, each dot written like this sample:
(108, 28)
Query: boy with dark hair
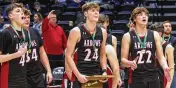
(13, 44)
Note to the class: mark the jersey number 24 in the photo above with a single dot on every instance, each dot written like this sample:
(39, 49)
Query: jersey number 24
(88, 56)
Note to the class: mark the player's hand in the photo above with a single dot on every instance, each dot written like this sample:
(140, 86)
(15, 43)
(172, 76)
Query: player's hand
(22, 49)
(168, 85)
(104, 80)
(49, 77)
(82, 78)
(133, 64)
(167, 73)
(119, 84)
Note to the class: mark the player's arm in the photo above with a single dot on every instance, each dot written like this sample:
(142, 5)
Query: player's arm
(114, 42)
(8, 57)
(45, 62)
(44, 59)
(161, 58)
(125, 49)
(170, 60)
(73, 38)
(43, 56)
(103, 60)
(112, 58)
(68, 69)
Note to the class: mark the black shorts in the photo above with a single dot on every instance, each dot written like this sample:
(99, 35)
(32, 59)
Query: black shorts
(19, 85)
(36, 81)
(15, 83)
(161, 77)
(149, 84)
(76, 84)
(105, 85)
(56, 60)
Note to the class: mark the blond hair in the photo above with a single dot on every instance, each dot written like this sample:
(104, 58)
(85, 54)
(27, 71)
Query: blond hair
(90, 5)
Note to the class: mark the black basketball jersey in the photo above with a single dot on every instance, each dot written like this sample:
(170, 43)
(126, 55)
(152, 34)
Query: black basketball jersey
(109, 39)
(146, 64)
(34, 65)
(13, 72)
(88, 52)
(170, 39)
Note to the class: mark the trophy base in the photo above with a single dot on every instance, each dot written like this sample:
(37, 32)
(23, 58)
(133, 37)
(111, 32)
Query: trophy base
(92, 84)
(94, 81)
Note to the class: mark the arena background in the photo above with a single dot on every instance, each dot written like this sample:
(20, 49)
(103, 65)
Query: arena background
(119, 11)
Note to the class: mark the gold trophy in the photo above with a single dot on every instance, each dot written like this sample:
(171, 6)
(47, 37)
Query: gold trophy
(94, 81)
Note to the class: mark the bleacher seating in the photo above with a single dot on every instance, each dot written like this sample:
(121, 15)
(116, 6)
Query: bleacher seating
(119, 17)
(162, 10)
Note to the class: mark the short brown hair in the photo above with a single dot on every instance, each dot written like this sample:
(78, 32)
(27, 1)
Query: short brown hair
(137, 11)
(11, 7)
(90, 5)
(26, 12)
(103, 18)
(167, 21)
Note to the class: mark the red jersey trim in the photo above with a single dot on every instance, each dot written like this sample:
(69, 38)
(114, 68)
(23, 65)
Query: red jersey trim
(4, 75)
(130, 72)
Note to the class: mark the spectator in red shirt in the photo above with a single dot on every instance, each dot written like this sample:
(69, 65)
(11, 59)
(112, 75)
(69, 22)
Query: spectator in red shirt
(54, 40)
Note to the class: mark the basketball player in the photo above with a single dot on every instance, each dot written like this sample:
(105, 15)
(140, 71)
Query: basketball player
(13, 44)
(90, 41)
(168, 51)
(35, 56)
(171, 39)
(111, 44)
(141, 44)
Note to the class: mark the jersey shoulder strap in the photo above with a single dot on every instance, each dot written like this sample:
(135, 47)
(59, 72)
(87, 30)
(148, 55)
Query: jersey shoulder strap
(13, 38)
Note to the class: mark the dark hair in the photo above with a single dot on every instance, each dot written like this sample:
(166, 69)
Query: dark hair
(11, 7)
(36, 3)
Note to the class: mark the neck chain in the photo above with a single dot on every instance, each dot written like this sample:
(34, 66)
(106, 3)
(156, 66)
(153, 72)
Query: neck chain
(144, 42)
(24, 37)
(92, 35)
